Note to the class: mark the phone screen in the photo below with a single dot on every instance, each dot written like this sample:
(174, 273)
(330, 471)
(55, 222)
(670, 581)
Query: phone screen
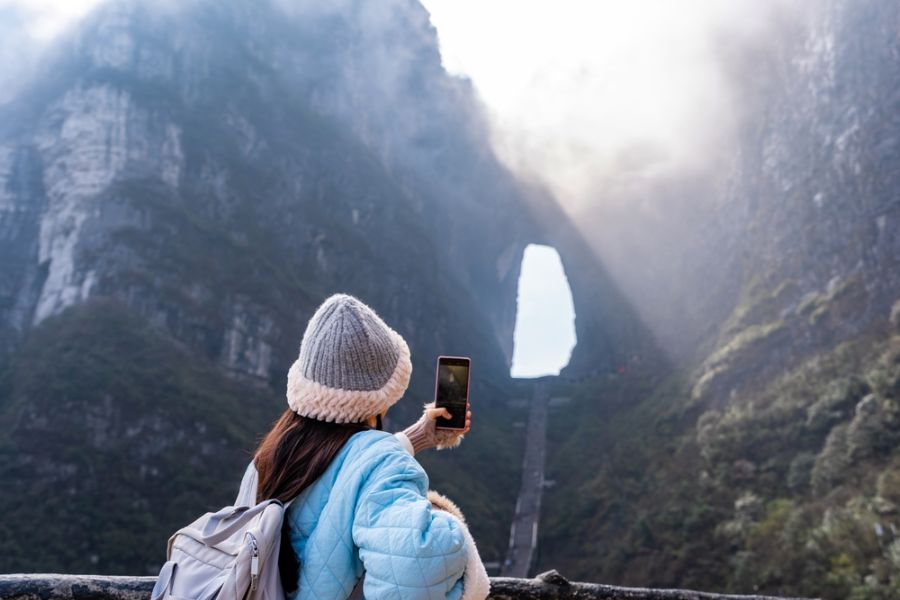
(453, 391)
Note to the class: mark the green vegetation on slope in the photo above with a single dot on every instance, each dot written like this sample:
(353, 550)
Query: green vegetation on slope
(788, 484)
(115, 437)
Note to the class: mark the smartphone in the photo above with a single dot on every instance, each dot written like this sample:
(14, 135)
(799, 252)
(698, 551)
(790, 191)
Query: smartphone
(451, 390)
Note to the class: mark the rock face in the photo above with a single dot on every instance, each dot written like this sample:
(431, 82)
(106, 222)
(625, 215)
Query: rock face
(776, 444)
(810, 221)
(161, 132)
(300, 140)
(802, 202)
(815, 173)
(190, 181)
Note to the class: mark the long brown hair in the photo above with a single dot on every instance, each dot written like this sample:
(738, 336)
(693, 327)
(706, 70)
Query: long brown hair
(296, 452)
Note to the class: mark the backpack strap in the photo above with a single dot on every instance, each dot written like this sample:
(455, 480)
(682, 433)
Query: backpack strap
(243, 516)
(247, 492)
(164, 581)
(218, 517)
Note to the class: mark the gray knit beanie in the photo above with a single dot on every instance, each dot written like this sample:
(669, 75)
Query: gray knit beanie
(351, 364)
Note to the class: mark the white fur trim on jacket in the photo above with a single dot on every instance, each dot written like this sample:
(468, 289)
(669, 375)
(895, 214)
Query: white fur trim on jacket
(311, 399)
(476, 583)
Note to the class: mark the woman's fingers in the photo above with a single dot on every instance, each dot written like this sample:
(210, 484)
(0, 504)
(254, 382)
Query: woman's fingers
(468, 421)
(434, 413)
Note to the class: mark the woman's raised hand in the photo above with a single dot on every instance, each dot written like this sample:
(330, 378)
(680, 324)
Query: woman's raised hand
(424, 434)
(442, 413)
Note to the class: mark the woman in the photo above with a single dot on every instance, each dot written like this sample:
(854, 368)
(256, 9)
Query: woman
(361, 501)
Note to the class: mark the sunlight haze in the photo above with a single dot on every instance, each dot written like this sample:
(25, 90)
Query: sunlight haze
(585, 93)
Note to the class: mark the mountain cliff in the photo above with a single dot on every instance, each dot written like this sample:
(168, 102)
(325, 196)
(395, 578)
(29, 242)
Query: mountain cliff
(180, 186)
(767, 460)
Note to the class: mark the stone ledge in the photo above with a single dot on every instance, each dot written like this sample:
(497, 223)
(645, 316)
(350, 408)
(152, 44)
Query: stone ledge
(546, 586)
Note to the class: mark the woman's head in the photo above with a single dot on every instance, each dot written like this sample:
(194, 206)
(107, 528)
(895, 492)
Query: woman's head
(352, 367)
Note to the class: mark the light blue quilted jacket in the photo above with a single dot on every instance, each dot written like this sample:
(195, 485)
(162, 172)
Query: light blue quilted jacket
(369, 511)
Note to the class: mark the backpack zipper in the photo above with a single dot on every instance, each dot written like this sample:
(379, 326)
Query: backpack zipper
(254, 563)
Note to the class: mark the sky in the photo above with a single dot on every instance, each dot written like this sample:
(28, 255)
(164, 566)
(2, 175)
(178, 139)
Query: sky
(545, 320)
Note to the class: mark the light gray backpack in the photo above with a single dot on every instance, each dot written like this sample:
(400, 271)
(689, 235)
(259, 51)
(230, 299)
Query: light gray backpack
(231, 554)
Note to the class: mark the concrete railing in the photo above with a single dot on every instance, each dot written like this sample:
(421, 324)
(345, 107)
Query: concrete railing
(546, 586)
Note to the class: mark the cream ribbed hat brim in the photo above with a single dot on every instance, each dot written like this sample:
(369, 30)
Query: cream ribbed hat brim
(351, 364)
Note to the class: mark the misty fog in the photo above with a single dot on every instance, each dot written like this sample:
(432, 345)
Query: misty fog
(631, 113)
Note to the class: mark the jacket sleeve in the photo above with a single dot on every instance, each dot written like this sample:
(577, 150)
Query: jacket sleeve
(408, 548)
